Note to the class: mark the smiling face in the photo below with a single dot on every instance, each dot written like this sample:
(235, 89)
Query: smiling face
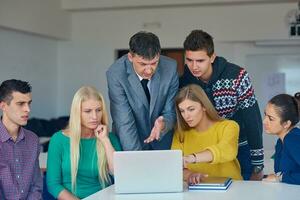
(16, 112)
(272, 121)
(199, 64)
(91, 114)
(192, 112)
(144, 67)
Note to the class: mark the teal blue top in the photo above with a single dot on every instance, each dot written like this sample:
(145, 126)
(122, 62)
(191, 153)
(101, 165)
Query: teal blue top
(59, 165)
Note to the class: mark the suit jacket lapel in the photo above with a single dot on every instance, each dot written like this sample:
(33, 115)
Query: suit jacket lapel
(154, 88)
(135, 84)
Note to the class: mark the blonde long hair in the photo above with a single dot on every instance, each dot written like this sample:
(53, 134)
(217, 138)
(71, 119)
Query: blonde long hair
(194, 93)
(74, 129)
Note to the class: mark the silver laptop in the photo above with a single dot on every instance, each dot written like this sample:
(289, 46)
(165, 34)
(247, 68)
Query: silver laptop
(148, 171)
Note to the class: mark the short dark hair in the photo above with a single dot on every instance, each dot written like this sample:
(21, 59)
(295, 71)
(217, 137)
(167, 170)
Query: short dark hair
(287, 107)
(199, 40)
(144, 44)
(9, 86)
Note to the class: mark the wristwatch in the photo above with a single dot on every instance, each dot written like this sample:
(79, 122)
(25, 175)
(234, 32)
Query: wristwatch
(257, 169)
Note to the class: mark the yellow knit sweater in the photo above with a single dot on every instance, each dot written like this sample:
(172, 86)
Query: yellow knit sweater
(222, 140)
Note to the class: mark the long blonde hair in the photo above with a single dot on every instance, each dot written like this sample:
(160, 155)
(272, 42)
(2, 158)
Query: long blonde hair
(74, 129)
(194, 93)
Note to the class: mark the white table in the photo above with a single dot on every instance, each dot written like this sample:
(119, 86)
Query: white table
(239, 190)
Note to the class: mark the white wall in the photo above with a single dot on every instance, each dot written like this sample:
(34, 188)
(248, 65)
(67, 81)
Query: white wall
(263, 67)
(34, 59)
(246, 22)
(27, 51)
(35, 16)
(80, 63)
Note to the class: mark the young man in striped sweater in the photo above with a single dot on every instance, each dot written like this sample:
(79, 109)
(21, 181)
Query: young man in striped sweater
(229, 88)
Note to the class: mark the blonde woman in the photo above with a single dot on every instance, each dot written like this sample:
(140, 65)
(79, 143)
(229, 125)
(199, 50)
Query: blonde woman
(80, 158)
(209, 143)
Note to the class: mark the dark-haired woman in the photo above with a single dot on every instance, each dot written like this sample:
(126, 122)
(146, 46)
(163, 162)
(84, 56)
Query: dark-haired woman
(281, 116)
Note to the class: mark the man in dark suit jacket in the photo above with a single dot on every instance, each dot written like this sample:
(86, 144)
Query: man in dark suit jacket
(142, 86)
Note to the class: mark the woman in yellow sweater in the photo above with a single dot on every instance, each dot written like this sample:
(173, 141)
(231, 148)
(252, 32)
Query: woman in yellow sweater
(208, 142)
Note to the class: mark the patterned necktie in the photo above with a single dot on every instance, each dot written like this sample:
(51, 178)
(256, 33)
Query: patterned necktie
(146, 90)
